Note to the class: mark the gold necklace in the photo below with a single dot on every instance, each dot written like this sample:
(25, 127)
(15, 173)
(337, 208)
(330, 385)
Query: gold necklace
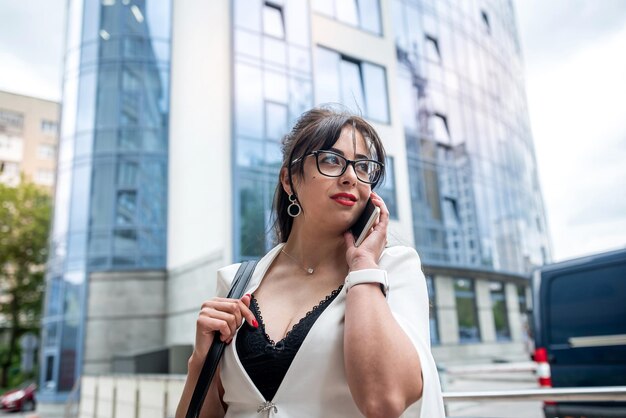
(309, 270)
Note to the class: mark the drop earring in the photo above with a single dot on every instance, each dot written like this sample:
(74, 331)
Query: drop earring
(294, 208)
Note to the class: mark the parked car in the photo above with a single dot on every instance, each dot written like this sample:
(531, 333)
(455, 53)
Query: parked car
(20, 399)
(579, 321)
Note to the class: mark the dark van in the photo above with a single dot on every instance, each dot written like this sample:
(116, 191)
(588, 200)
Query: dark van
(579, 321)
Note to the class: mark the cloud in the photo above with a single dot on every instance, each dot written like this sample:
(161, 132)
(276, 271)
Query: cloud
(22, 78)
(557, 28)
(576, 102)
(31, 47)
(591, 239)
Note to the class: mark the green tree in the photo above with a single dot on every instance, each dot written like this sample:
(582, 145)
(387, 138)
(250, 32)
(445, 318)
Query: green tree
(24, 228)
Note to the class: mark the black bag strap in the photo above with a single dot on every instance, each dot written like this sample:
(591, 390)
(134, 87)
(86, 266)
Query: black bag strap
(240, 282)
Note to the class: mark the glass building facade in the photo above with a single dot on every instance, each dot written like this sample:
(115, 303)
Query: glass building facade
(110, 207)
(475, 197)
(475, 194)
(272, 87)
(455, 90)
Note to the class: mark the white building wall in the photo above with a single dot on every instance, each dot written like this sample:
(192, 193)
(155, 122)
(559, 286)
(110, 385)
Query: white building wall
(200, 186)
(485, 312)
(188, 287)
(125, 313)
(200, 182)
(446, 311)
(199, 201)
(512, 311)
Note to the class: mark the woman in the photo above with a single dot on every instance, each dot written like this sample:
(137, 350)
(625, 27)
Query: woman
(319, 334)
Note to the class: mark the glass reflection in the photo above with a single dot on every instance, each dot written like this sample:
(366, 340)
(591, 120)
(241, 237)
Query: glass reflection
(466, 311)
(471, 181)
(272, 87)
(364, 14)
(116, 104)
(358, 85)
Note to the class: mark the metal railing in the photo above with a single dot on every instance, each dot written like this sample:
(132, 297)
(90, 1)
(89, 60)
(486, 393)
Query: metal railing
(604, 393)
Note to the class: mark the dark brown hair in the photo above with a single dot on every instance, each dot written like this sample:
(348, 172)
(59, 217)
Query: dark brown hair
(318, 128)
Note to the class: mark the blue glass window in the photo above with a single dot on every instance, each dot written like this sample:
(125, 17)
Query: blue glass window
(387, 190)
(249, 99)
(434, 330)
(440, 128)
(276, 120)
(466, 310)
(126, 207)
(351, 82)
(376, 87)
(359, 85)
(248, 14)
(521, 299)
(498, 306)
(272, 85)
(364, 14)
(252, 216)
(273, 21)
(113, 138)
(433, 53)
(486, 24)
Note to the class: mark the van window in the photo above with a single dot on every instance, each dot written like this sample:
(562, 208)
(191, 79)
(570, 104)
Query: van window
(586, 303)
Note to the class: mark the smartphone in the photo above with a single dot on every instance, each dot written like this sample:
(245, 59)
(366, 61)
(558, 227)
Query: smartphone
(362, 226)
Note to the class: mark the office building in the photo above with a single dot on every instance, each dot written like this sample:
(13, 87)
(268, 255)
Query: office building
(28, 139)
(170, 149)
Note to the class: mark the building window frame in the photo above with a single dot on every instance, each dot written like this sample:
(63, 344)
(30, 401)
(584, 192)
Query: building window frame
(46, 151)
(499, 310)
(432, 310)
(366, 78)
(465, 289)
(387, 190)
(435, 56)
(362, 9)
(11, 119)
(49, 127)
(270, 12)
(485, 19)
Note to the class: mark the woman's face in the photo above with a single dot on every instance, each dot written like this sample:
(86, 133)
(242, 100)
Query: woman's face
(334, 202)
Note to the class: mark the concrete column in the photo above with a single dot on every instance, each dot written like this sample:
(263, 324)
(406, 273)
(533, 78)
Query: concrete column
(512, 311)
(125, 314)
(446, 310)
(485, 312)
(188, 286)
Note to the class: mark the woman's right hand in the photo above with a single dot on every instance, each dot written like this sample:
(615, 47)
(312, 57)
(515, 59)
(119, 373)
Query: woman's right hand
(224, 316)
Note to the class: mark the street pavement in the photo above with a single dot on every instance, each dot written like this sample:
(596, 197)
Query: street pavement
(486, 380)
(469, 379)
(31, 414)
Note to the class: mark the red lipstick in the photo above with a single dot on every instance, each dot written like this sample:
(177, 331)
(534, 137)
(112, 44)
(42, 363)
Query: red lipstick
(345, 199)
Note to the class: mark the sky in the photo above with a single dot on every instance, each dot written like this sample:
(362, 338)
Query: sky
(575, 59)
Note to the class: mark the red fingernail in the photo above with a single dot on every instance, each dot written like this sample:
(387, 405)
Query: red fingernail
(248, 295)
(255, 324)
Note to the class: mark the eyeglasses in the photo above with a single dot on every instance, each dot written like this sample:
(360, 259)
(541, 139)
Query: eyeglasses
(331, 164)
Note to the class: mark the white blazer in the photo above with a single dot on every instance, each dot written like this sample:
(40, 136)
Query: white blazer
(315, 384)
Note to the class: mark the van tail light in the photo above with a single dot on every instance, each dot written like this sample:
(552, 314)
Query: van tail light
(543, 370)
(543, 367)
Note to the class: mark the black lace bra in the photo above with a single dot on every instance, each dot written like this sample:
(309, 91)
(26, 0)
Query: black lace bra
(266, 361)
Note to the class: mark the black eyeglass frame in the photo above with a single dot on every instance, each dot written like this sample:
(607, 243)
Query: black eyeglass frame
(345, 167)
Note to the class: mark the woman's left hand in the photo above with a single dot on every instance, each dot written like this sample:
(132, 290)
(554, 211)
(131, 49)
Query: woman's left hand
(367, 254)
